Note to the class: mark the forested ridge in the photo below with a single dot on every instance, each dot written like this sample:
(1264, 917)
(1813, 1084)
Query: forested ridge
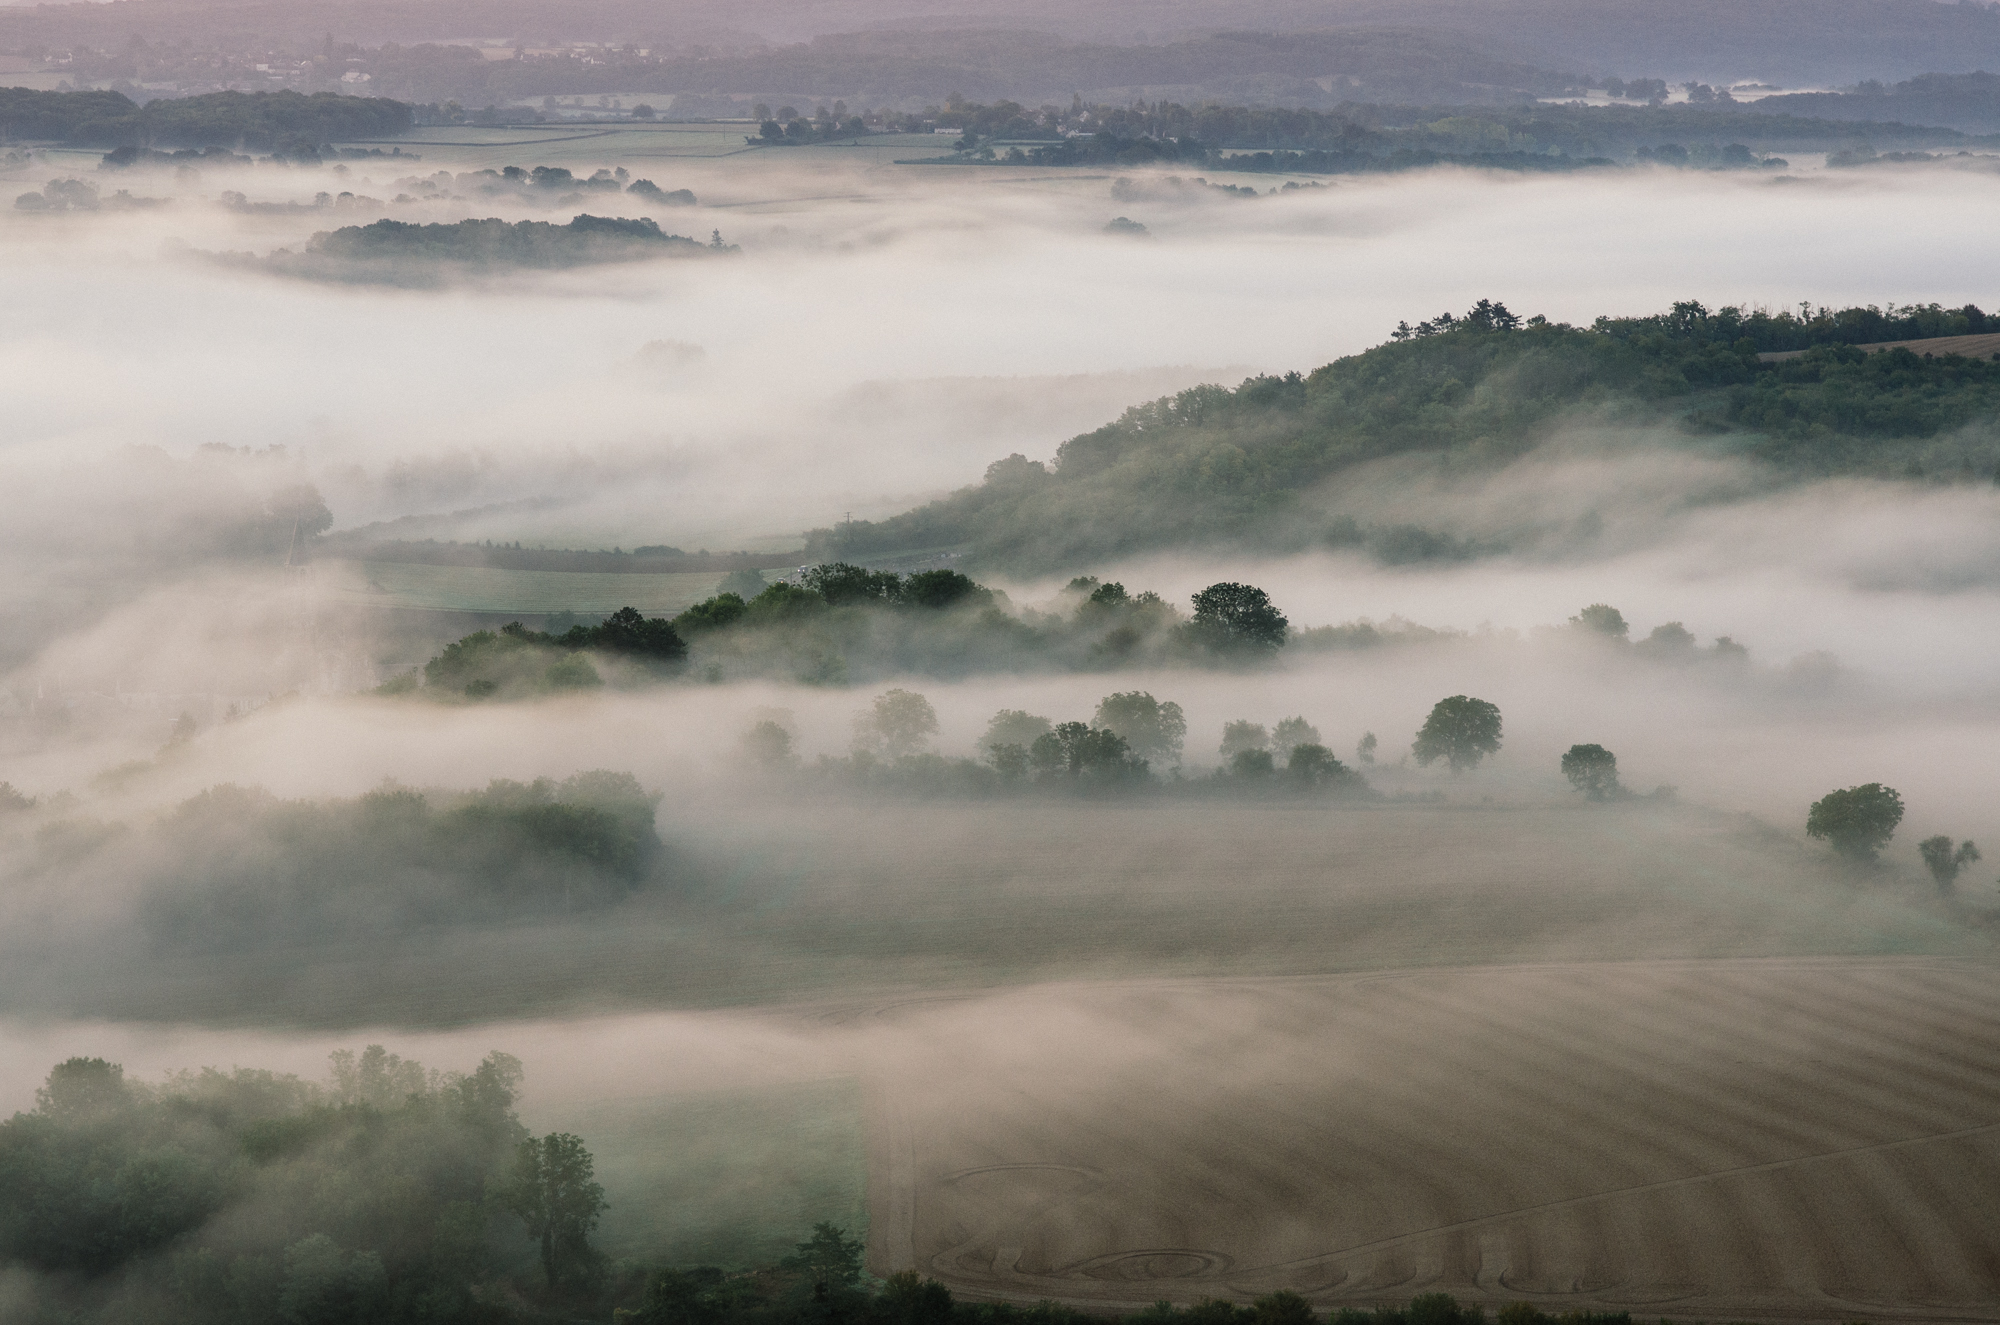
(1214, 464)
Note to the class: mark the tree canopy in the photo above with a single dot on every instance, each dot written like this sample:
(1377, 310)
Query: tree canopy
(1238, 618)
(1944, 861)
(1461, 731)
(254, 1195)
(553, 1188)
(1857, 822)
(1592, 770)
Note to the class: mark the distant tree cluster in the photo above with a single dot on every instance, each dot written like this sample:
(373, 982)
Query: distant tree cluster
(1461, 731)
(1857, 822)
(1288, 753)
(254, 121)
(1132, 741)
(1672, 642)
(410, 252)
(835, 617)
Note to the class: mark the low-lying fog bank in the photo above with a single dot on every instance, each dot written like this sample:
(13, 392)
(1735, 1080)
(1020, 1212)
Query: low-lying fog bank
(716, 402)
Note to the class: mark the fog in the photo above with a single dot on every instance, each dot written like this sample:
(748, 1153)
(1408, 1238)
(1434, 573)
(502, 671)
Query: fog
(851, 279)
(882, 336)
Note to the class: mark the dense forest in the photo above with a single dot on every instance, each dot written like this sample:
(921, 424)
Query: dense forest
(256, 121)
(1240, 466)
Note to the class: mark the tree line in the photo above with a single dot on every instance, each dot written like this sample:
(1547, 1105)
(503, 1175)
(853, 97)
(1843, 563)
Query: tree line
(835, 615)
(1132, 741)
(255, 121)
(1345, 137)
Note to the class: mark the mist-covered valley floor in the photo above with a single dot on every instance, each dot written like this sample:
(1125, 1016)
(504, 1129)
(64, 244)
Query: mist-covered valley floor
(1042, 1044)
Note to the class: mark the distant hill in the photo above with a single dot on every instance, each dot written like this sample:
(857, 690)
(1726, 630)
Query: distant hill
(1302, 69)
(1257, 467)
(1792, 42)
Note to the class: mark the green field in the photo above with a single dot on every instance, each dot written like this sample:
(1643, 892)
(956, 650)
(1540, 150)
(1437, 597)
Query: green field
(730, 1178)
(489, 589)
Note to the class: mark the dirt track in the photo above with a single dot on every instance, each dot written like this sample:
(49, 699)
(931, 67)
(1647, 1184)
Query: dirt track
(1805, 1138)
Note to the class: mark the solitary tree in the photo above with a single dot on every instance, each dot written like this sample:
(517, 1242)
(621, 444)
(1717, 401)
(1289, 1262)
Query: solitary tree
(1364, 751)
(1857, 822)
(1238, 618)
(1943, 862)
(1592, 770)
(553, 1191)
(1461, 731)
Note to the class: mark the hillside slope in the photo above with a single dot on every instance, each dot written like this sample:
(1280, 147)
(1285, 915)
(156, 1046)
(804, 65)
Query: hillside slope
(1242, 467)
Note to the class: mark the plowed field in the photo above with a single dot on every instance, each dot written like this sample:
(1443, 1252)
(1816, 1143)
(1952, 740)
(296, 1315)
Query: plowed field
(1797, 1139)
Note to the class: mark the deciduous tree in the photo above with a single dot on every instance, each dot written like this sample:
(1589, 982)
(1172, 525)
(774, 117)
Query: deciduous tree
(553, 1190)
(1461, 731)
(1943, 862)
(1856, 822)
(1592, 770)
